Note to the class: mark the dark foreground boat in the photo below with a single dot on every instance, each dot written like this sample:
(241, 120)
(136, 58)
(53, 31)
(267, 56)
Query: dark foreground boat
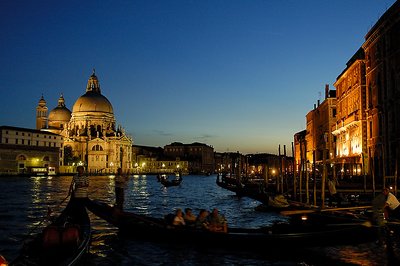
(63, 242)
(300, 232)
(169, 183)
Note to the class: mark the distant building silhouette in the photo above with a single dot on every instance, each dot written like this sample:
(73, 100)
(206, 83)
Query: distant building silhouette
(200, 156)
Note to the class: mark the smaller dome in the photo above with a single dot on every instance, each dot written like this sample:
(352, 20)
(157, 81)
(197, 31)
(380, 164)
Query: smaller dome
(59, 114)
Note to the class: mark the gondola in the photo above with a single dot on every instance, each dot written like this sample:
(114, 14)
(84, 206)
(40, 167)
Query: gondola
(270, 200)
(63, 242)
(315, 230)
(230, 184)
(169, 183)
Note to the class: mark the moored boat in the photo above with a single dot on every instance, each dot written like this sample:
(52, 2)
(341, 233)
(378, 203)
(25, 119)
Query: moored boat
(301, 231)
(269, 198)
(63, 242)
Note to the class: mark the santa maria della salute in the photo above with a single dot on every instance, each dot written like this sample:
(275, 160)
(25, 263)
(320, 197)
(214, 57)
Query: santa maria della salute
(89, 133)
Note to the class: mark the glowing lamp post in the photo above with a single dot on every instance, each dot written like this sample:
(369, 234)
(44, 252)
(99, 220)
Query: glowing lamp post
(143, 166)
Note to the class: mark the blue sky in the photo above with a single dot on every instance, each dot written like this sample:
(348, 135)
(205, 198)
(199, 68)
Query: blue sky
(236, 75)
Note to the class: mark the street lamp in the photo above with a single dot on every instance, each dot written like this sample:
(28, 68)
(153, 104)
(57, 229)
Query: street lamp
(143, 165)
(136, 167)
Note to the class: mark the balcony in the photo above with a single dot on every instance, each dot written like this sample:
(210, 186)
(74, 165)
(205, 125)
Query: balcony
(351, 120)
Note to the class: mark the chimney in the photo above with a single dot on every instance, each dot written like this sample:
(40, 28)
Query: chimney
(326, 91)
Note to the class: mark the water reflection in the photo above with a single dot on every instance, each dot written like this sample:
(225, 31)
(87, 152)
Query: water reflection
(361, 254)
(24, 203)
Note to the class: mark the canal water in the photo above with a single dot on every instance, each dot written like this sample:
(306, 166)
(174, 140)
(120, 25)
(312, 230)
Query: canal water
(24, 202)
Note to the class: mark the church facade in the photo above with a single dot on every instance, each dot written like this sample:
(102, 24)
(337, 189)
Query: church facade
(90, 134)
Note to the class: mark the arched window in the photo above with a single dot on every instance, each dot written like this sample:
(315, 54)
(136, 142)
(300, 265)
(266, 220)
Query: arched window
(97, 148)
(21, 158)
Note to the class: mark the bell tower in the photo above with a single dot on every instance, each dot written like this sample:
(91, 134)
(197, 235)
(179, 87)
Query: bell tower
(41, 114)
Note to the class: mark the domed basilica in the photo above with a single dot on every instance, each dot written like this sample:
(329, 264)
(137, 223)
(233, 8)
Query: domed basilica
(90, 134)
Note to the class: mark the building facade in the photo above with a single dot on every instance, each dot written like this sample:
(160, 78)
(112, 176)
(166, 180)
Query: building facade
(300, 148)
(382, 59)
(319, 146)
(200, 156)
(350, 129)
(366, 131)
(152, 160)
(90, 134)
(232, 163)
(29, 151)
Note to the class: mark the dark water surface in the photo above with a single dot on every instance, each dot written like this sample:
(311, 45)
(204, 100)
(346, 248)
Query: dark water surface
(25, 201)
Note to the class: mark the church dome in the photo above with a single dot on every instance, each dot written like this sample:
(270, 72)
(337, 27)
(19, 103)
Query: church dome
(59, 115)
(93, 100)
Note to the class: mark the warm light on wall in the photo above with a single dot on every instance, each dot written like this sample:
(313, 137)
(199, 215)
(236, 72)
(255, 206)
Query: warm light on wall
(356, 148)
(345, 150)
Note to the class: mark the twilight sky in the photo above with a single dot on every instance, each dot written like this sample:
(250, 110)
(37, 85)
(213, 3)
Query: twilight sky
(239, 75)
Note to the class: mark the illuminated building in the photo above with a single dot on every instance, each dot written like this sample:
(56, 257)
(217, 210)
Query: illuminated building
(382, 56)
(41, 114)
(59, 117)
(366, 131)
(90, 134)
(350, 127)
(319, 140)
(152, 160)
(300, 147)
(28, 151)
